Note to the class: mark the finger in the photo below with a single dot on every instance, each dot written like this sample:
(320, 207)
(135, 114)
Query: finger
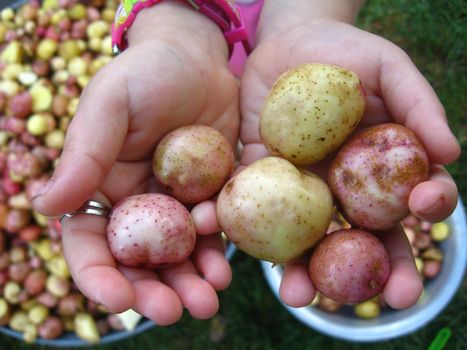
(196, 294)
(252, 152)
(253, 91)
(405, 285)
(205, 219)
(153, 299)
(296, 288)
(434, 200)
(209, 259)
(125, 179)
(375, 111)
(412, 102)
(92, 265)
(92, 144)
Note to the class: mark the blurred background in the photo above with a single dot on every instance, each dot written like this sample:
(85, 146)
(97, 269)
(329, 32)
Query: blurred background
(433, 33)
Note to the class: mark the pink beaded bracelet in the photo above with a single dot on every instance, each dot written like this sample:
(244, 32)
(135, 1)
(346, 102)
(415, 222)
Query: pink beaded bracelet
(223, 12)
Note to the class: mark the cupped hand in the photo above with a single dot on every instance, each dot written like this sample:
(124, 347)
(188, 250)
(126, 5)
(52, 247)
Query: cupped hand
(174, 73)
(395, 92)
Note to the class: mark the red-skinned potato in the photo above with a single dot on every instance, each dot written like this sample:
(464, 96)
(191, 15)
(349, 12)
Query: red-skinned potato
(150, 230)
(373, 174)
(349, 266)
(193, 162)
(310, 111)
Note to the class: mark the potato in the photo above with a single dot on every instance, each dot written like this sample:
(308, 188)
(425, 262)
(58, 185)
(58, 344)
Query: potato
(349, 266)
(310, 111)
(368, 309)
(373, 174)
(194, 162)
(273, 211)
(150, 230)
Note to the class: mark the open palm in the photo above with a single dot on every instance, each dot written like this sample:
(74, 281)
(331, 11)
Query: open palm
(147, 91)
(395, 91)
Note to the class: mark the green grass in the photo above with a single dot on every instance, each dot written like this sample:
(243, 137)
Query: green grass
(433, 33)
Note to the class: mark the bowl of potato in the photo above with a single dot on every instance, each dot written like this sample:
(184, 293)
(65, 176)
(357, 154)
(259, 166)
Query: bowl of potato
(441, 258)
(48, 309)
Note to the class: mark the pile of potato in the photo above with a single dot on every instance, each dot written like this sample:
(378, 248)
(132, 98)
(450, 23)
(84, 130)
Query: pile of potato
(48, 52)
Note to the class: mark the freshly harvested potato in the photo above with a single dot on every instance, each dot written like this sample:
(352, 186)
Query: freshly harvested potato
(193, 162)
(150, 230)
(368, 309)
(349, 266)
(310, 111)
(273, 211)
(374, 172)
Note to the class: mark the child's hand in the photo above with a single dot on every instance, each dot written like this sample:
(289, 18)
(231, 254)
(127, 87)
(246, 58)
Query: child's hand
(174, 73)
(396, 91)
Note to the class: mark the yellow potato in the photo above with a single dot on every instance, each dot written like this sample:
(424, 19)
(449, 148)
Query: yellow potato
(273, 211)
(310, 111)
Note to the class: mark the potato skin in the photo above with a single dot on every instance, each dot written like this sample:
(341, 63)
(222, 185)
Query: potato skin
(193, 162)
(273, 211)
(150, 230)
(373, 174)
(349, 266)
(310, 111)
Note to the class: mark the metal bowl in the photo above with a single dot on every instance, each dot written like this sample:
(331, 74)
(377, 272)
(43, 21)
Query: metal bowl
(391, 323)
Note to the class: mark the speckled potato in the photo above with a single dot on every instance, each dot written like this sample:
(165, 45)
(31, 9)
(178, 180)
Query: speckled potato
(349, 266)
(373, 174)
(273, 211)
(310, 111)
(150, 230)
(193, 162)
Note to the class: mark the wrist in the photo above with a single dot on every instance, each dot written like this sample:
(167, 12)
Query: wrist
(178, 23)
(279, 16)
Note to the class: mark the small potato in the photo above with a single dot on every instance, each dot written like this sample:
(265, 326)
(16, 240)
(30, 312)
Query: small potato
(21, 105)
(51, 328)
(194, 162)
(35, 282)
(373, 174)
(310, 111)
(150, 230)
(431, 268)
(273, 211)
(368, 309)
(327, 304)
(349, 266)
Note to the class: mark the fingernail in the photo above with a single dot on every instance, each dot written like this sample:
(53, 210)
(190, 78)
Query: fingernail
(44, 189)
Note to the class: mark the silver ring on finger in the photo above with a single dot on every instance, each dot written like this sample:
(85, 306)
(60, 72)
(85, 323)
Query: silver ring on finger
(91, 207)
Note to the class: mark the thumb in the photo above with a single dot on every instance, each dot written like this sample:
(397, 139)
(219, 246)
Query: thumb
(93, 142)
